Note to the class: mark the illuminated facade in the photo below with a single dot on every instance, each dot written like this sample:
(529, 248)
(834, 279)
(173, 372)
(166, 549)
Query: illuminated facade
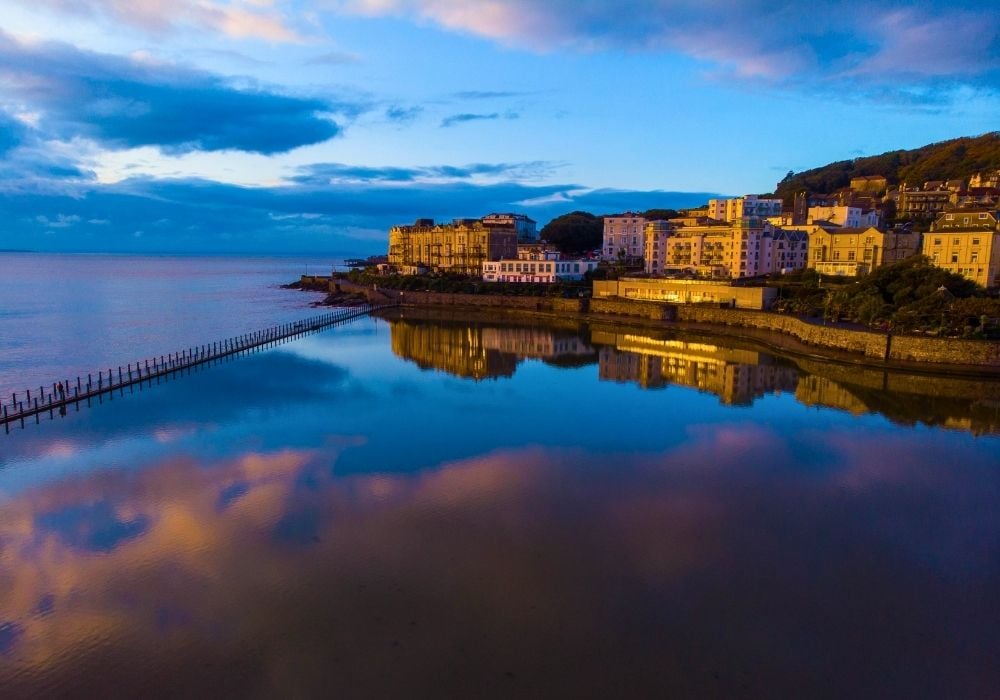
(745, 248)
(461, 246)
(855, 251)
(736, 376)
(967, 242)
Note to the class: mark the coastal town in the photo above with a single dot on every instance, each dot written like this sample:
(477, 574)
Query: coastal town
(954, 223)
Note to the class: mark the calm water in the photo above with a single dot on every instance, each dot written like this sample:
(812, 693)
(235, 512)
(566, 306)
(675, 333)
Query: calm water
(63, 315)
(433, 505)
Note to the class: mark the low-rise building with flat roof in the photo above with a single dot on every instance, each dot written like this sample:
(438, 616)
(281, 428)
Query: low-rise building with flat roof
(677, 291)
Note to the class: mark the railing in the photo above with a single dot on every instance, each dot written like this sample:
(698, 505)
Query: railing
(60, 395)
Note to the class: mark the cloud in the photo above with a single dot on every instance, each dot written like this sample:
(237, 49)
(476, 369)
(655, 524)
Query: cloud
(333, 173)
(486, 94)
(329, 208)
(130, 102)
(237, 19)
(403, 115)
(828, 42)
(334, 58)
(12, 133)
(468, 117)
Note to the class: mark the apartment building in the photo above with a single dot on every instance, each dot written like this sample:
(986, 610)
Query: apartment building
(857, 251)
(749, 205)
(744, 248)
(967, 242)
(623, 237)
(461, 246)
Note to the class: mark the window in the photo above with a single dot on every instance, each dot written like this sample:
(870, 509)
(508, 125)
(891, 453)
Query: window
(975, 256)
(850, 255)
(868, 254)
(937, 241)
(954, 257)
(836, 255)
(936, 257)
(975, 241)
(982, 216)
(956, 241)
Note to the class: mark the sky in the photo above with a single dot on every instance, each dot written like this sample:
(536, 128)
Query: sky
(314, 125)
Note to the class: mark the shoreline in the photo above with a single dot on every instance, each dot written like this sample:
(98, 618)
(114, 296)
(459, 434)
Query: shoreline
(860, 351)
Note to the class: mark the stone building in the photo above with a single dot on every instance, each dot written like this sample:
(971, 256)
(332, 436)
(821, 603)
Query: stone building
(461, 246)
(967, 242)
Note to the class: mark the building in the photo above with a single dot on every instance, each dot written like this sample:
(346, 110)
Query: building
(857, 251)
(686, 292)
(748, 247)
(784, 250)
(623, 237)
(967, 242)
(543, 270)
(525, 227)
(461, 246)
(990, 178)
(923, 204)
(749, 205)
(845, 216)
(874, 184)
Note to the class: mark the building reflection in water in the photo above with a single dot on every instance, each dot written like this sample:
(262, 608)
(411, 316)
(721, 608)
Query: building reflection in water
(736, 376)
(480, 352)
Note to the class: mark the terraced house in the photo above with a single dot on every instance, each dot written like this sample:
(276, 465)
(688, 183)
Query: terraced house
(967, 242)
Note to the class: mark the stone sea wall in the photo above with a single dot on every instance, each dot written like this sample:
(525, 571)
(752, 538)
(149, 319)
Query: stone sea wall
(870, 344)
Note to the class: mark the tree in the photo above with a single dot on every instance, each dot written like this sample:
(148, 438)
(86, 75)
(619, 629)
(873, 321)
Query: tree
(654, 214)
(576, 232)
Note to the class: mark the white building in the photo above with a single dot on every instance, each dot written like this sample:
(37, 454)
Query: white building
(749, 205)
(843, 216)
(543, 270)
(623, 236)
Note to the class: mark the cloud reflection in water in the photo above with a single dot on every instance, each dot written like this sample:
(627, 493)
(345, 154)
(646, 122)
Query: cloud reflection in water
(724, 566)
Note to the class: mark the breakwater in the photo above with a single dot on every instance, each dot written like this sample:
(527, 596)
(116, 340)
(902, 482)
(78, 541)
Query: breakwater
(55, 399)
(873, 346)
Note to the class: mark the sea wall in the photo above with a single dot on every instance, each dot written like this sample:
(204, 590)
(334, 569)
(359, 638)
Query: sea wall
(870, 344)
(951, 351)
(867, 343)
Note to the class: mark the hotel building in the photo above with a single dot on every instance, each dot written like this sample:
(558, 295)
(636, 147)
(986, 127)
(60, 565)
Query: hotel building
(967, 242)
(461, 246)
(857, 251)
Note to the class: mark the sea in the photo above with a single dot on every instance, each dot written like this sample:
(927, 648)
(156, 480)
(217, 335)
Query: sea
(448, 503)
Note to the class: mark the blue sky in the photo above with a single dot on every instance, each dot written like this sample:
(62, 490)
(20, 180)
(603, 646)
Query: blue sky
(313, 125)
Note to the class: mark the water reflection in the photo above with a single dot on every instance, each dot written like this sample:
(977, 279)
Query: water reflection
(478, 351)
(726, 565)
(733, 370)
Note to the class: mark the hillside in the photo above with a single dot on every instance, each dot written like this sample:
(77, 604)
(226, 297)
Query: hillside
(957, 158)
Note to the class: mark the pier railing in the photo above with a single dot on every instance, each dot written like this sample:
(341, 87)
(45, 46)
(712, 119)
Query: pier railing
(64, 393)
